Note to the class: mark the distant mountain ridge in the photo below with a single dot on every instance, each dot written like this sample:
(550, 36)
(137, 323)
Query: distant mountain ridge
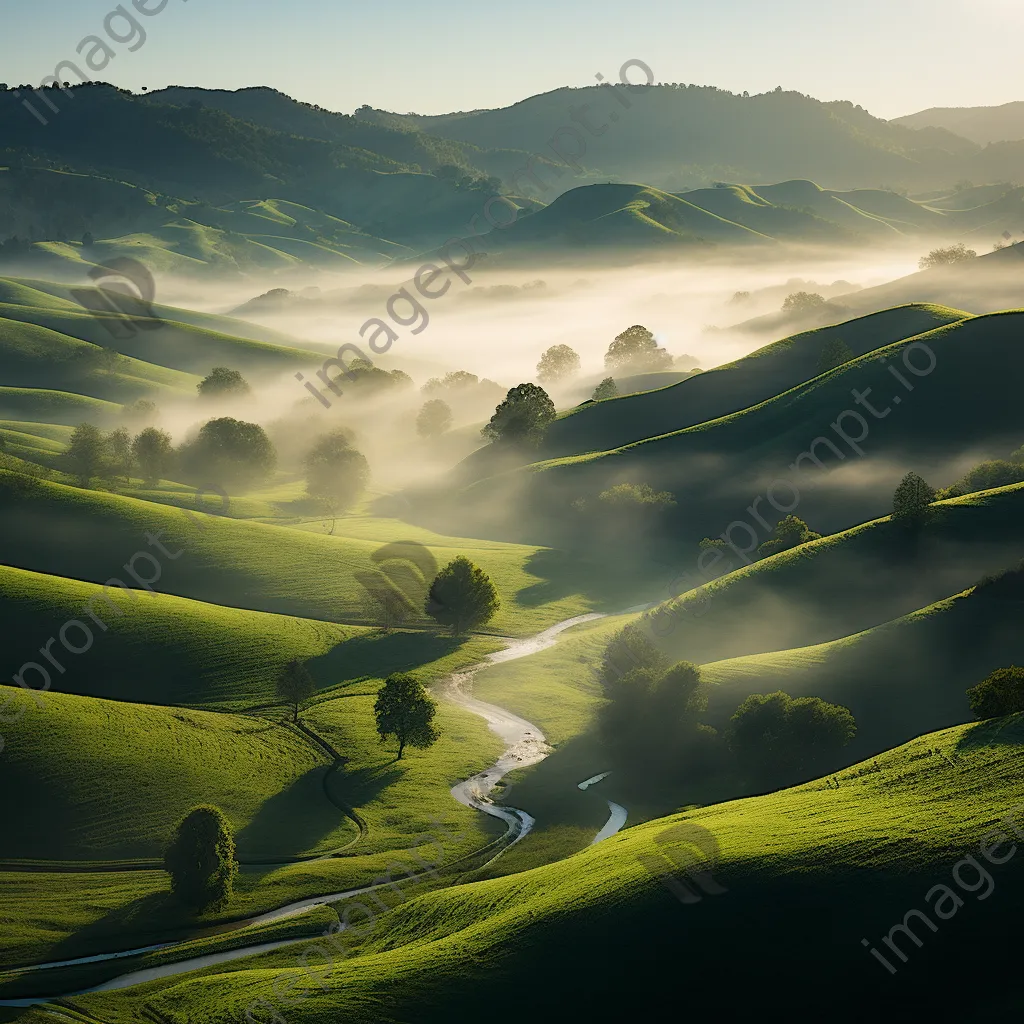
(982, 125)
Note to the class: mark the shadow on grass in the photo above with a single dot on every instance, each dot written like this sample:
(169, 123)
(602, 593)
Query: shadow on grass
(612, 584)
(1003, 732)
(362, 786)
(376, 655)
(292, 822)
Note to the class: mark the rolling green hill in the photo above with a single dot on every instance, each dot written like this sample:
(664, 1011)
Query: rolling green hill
(736, 385)
(717, 467)
(893, 829)
(256, 565)
(846, 583)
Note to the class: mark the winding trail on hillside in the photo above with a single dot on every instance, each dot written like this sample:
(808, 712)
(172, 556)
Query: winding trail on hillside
(526, 745)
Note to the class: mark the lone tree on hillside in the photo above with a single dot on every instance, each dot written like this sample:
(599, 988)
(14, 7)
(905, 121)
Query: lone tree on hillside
(958, 253)
(522, 417)
(154, 454)
(636, 351)
(1002, 693)
(295, 686)
(86, 454)
(201, 860)
(223, 382)
(912, 498)
(606, 389)
(434, 419)
(405, 710)
(462, 596)
(833, 355)
(336, 474)
(558, 363)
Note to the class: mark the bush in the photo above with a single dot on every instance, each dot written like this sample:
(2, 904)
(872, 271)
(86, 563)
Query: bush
(201, 860)
(462, 596)
(1002, 693)
(631, 497)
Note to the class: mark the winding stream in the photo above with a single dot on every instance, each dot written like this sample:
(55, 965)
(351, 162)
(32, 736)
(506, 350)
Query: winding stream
(525, 745)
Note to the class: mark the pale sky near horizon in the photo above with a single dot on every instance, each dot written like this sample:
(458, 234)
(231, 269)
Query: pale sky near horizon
(891, 56)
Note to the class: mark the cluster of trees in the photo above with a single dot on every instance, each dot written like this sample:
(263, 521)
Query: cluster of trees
(91, 454)
(789, 532)
(799, 303)
(993, 473)
(952, 254)
(223, 382)
(654, 708)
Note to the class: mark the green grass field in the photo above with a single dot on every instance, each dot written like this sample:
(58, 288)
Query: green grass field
(876, 843)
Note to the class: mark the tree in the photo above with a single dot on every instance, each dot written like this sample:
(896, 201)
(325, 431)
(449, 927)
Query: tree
(154, 454)
(777, 735)
(201, 860)
(629, 650)
(606, 389)
(434, 418)
(119, 444)
(958, 253)
(229, 451)
(462, 596)
(1002, 693)
(912, 498)
(788, 533)
(836, 353)
(636, 351)
(86, 453)
(799, 303)
(336, 474)
(295, 685)
(522, 417)
(223, 382)
(557, 363)
(404, 710)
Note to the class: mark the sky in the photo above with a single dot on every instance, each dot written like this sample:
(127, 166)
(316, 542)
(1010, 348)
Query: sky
(892, 57)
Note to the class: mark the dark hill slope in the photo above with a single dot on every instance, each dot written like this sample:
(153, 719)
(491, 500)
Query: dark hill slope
(737, 385)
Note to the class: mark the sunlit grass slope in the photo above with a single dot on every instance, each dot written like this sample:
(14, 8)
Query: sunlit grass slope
(89, 535)
(875, 840)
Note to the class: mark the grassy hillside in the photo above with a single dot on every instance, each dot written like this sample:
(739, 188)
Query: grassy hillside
(716, 468)
(40, 405)
(845, 583)
(979, 124)
(891, 830)
(736, 385)
(258, 565)
(899, 679)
